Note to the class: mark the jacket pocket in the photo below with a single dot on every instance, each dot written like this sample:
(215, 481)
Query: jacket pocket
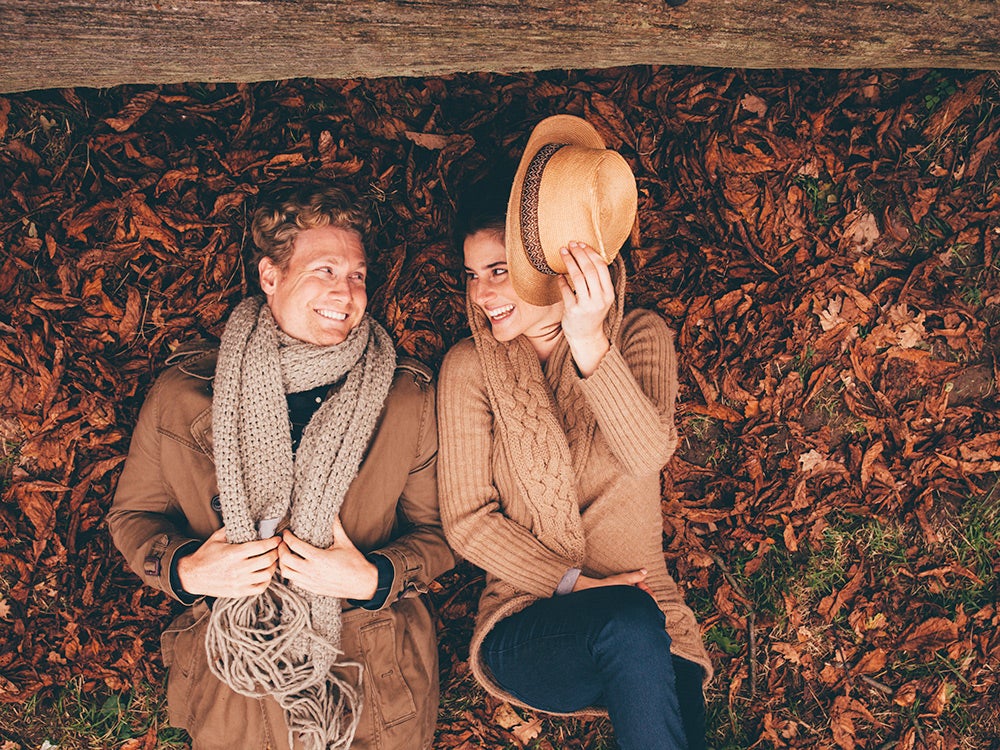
(394, 698)
(183, 648)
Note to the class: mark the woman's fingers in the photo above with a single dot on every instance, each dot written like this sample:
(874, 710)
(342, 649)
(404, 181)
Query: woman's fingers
(588, 271)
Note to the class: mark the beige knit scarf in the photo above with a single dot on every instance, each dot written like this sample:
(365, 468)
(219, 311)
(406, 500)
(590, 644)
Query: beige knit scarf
(286, 641)
(538, 424)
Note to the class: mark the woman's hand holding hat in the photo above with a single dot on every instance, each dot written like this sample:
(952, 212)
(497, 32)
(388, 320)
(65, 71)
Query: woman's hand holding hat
(567, 187)
(588, 294)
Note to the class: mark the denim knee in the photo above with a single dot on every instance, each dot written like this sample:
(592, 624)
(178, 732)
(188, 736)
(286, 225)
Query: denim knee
(635, 619)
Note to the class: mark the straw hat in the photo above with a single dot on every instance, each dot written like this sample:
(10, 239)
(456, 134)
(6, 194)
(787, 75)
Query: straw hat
(568, 187)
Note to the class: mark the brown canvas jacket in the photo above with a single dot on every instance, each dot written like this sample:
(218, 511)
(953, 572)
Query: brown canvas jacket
(165, 500)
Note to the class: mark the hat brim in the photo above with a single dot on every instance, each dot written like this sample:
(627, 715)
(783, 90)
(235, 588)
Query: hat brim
(532, 285)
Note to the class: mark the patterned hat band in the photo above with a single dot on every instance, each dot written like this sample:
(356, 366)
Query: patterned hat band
(530, 236)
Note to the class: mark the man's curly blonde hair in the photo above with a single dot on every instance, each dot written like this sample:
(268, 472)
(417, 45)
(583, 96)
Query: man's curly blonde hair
(286, 211)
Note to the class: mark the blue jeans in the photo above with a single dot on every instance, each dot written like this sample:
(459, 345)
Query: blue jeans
(602, 646)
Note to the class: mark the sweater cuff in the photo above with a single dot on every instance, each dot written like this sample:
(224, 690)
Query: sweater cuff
(569, 579)
(386, 575)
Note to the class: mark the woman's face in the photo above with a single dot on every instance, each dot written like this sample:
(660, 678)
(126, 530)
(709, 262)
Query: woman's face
(491, 291)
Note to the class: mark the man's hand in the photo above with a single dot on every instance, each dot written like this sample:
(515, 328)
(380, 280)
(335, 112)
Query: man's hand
(586, 305)
(218, 568)
(635, 578)
(340, 570)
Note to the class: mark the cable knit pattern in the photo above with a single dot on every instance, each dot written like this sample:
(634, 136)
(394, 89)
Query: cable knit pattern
(619, 432)
(286, 642)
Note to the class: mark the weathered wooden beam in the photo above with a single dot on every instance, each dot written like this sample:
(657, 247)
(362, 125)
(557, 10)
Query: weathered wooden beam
(57, 43)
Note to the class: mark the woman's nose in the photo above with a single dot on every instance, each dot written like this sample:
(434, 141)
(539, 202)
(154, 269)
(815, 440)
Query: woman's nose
(481, 292)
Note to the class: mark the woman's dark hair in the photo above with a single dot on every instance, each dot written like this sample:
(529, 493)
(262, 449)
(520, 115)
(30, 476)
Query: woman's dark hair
(482, 204)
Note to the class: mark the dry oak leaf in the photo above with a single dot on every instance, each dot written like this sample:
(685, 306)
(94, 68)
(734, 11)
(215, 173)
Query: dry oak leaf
(829, 318)
(861, 229)
(139, 105)
(939, 699)
(506, 717)
(930, 635)
(872, 467)
(969, 467)
(984, 447)
(788, 652)
(872, 662)
(431, 141)
(906, 695)
(814, 464)
(4, 112)
(845, 711)
(528, 731)
(754, 104)
(909, 328)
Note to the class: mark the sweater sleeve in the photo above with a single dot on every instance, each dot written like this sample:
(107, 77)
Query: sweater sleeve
(632, 394)
(471, 508)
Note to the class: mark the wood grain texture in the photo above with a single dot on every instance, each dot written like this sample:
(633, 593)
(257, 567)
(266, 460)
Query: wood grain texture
(62, 43)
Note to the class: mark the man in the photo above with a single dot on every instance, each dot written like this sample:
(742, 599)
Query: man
(284, 486)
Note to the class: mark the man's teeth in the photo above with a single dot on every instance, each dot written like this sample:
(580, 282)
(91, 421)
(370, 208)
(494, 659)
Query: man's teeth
(332, 315)
(500, 311)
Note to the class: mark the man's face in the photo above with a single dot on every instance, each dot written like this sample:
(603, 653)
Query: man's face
(320, 296)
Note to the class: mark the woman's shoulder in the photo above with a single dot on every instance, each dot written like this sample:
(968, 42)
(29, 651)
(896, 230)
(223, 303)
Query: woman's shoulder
(645, 322)
(461, 357)
(460, 368)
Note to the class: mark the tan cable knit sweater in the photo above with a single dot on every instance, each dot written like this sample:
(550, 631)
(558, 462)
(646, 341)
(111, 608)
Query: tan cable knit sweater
(489, 521)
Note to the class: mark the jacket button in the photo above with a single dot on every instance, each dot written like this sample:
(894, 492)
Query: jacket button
(216, 504)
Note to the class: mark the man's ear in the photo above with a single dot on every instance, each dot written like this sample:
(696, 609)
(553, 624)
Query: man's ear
(269, 274)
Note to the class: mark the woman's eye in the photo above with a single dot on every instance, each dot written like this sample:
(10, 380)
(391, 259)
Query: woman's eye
(358, 277)
(499, 271)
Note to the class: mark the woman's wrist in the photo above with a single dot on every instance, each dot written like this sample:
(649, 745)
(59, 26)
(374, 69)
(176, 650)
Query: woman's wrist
(588, 353)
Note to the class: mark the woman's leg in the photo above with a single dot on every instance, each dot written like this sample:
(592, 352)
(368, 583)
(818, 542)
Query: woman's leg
(691, 698)
(605, 645)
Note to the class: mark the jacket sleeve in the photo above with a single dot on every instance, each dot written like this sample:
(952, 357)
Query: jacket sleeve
(474, 520)
(633, 392)
(421, 553)
(145, 521)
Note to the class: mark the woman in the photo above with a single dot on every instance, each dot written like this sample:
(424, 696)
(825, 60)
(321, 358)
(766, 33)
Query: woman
(554, 423)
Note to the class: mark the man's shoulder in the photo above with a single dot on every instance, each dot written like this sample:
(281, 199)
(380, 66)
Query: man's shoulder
(189, 373)
(408, 368)
(196, 359)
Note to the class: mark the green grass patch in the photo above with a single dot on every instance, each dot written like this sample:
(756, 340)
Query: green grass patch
(76, 717)
(727, 639)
